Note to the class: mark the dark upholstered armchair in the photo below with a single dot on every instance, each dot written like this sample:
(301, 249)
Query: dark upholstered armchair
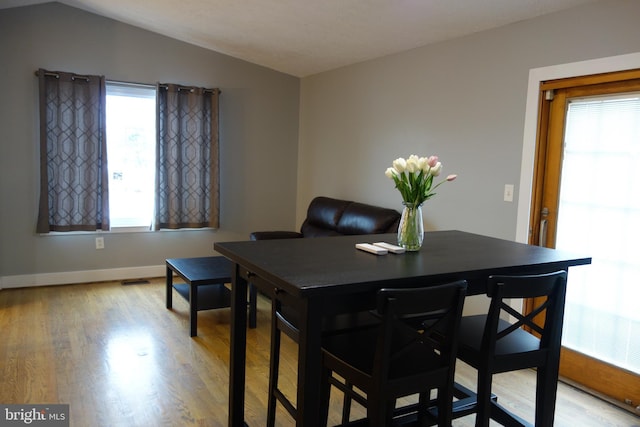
(334, 217)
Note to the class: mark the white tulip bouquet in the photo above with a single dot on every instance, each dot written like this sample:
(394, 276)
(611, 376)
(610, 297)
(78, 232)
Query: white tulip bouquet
(414, 177)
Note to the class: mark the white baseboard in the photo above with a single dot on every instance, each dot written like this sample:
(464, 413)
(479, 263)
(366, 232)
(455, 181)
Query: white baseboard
(86, 276)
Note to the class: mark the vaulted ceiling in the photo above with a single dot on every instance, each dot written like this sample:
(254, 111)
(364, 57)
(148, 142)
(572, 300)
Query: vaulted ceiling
(304, 37)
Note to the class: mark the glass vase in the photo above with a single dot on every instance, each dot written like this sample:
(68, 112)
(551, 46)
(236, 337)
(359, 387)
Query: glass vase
(411, 228)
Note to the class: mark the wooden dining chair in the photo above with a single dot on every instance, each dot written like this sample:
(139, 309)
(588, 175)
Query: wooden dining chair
(412, 350)
(492, 345)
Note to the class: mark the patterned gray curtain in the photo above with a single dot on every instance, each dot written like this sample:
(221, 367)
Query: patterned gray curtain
(187, 179)
(74, 192)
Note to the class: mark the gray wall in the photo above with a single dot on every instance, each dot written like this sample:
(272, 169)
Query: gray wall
(463, 100)
(258, 129)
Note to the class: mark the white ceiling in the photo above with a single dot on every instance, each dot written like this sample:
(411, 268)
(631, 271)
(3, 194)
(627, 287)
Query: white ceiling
(304, 37)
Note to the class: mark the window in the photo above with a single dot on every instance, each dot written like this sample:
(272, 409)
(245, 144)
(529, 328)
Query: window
(99, 168)
(131, 153)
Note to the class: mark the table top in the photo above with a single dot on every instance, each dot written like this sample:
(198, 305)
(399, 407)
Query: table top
(308, 266)
(202, 270)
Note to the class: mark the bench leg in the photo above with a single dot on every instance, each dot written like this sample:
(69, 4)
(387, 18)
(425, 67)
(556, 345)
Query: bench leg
(193, 310)
(169, 287)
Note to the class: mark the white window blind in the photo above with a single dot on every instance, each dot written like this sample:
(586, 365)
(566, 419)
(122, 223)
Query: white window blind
(599, 214)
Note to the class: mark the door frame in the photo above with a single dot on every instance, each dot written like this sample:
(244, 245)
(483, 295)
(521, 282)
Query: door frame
(536, 76)
(525, 218)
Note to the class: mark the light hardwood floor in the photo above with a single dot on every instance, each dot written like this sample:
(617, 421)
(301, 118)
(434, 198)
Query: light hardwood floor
(118, 357)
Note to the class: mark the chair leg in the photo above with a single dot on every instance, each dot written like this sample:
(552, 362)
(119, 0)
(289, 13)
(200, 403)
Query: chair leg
(423, 409)
(546, 391)
(325, 396)
(445, 406)
(274, 368)
(379, 412)
(388, 413)
(483, 402)
(346, 403)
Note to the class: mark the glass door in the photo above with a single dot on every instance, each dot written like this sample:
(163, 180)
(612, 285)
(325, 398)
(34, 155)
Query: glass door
(599, 213)
(589, 202)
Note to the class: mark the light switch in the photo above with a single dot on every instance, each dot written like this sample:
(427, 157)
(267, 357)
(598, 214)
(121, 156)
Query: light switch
(508, 192)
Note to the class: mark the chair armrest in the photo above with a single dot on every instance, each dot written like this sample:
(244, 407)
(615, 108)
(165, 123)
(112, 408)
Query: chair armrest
(271, 235)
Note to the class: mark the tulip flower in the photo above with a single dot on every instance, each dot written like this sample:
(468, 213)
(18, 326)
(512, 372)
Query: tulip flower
(400, 165)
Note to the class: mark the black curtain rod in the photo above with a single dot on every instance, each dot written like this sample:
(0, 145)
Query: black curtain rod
(189, 88)
(57, 76)
(164, 86)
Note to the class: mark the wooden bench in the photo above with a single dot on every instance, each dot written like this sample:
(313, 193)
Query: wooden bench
(205, 288)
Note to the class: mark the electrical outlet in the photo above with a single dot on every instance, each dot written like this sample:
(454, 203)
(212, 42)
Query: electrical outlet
(99, 242)
(508, 192)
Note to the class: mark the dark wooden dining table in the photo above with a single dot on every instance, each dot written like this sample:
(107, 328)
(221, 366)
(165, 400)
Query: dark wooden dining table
(326, 276)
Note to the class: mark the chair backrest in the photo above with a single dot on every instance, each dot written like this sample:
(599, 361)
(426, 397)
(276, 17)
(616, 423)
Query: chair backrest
(550, 309)
(419, 321)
